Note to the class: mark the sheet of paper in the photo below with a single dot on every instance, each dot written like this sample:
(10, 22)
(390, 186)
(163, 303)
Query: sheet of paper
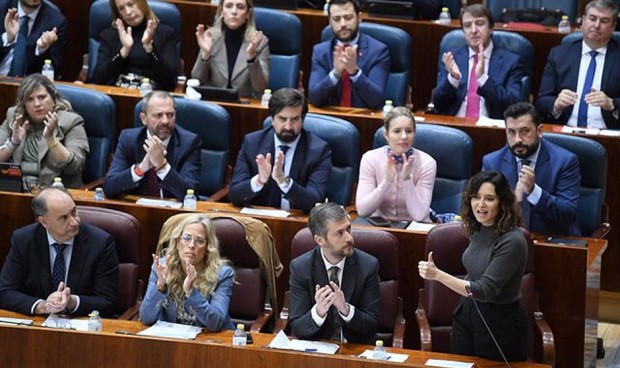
(392, 357)
(172, 330)
(488, 122)
(570, 129)
(448, 363)
(55, 321)
(263, 212)
(609, 133)
(15, 321)
(420, 226)
(159, 203)
(281, 341)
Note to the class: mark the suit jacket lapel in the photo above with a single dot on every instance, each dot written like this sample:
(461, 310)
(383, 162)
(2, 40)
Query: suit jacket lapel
(42, 260)
(76, 264)
(543, 166)
(241, 62)
(298, 159)
(349, 276)
(511, 163)
(611, 62)
(462, 61)
(319, 273)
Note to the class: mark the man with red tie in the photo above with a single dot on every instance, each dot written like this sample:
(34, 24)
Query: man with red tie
(478, 79)
(352, 68)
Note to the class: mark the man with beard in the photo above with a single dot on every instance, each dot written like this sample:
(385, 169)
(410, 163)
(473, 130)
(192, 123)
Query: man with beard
(58, 264)
(478, 79)
(352, 68)
(579, 86)
(157, 160)
(544, 176)
(282, 165)
(32, 31)
(334, 288)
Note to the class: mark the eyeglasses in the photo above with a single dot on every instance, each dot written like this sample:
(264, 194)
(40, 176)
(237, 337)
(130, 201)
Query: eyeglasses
(186, 239)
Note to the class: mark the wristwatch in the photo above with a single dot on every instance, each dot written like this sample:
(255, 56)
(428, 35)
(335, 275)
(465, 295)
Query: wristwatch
(286, 182)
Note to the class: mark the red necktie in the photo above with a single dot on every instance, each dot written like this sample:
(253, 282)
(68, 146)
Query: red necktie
(345, 81)
(472, 110)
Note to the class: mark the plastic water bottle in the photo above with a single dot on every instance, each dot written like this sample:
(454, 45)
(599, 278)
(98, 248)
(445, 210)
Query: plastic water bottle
(189, 202)
(264, 101)
(564, 25)
(326, 7)
(99, 195)
(240, 338)
(58, 183)
(387, 107)
(48, 69)
(379, 353)
(145, 87)
(444, 16)
(190, 91)
(94, 321)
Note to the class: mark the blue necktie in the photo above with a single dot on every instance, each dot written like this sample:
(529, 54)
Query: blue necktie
(58, 273)
(284, 148)
(582, 117)
(19, 50)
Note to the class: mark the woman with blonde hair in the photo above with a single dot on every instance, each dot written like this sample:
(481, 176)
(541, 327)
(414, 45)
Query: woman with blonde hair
(136, 43)
(191, 284)
(233, 54)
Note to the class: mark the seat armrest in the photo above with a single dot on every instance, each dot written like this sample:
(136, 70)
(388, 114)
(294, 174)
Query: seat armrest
(219, 195)
(548, 341)
(282, 320)
(423, 325)
(399, 326)
(262, 320)
(93, 184)
(602, 231)
(83, 74)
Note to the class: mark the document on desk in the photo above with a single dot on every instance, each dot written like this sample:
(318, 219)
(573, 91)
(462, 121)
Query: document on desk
(55, 321)
(484, 121)
(263, 212)
(15, 321)
(582, 130)
(448, 363)
(172, 330)
(159, 203)
(420, 226)
(391, 357)
(281, 341)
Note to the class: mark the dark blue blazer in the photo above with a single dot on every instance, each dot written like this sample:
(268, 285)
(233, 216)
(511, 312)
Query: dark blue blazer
(183, 155)
(501, 90)
(562, 71)
(310, 171)
(373, 58)
(93, 272)
(557, 174)
(360, 285)
(49, 17)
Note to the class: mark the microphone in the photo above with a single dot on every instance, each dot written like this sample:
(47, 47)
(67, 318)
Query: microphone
(470, 295)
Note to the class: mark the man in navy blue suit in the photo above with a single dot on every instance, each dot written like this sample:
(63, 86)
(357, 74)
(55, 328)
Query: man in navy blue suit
(157, 160)
(283, 165)
(352, 68)
(478, 79)
(33, 30)
(566, 94)
(544, 176)
(58, 264)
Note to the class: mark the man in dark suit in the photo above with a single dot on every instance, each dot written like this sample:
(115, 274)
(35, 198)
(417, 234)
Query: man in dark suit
(579, 86)
(165, 165)
(297, 176)
(58, 264)
(352, 68)
(544, 176)
(32, 31)
(479, 79)
(334, 288)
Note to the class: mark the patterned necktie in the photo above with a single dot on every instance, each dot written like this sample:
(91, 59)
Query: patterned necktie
(284, 148)
(58, 272)
(284, 202)
(336, 321)
(525, 204)
(472, 109)
(19, 50)
(333, 275)
(152, 184)
(345, 81)
(582, 116)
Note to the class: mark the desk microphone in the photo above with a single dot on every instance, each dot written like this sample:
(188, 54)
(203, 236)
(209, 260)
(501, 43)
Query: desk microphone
(471, 296)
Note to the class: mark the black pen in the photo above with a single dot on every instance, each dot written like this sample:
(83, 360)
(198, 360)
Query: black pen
(122, 332)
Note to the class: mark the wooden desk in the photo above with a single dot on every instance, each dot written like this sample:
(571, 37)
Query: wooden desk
(562, 271)
(67, 348)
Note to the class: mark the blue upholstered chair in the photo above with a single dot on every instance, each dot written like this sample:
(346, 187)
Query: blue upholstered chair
(284, 32)
(101, 18)
(99, 113)
(578, 36)
(452, 149)
(593, 168)
(211, 123)
(401, 52)
(568, 7)
(510, 41)
(344, 141)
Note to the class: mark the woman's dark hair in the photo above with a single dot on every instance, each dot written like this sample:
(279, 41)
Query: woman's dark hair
(509, 213)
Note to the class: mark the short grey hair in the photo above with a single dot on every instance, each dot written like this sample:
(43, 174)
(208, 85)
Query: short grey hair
(322, 214)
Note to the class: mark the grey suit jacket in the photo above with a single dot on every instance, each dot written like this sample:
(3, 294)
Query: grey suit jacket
(250, 79)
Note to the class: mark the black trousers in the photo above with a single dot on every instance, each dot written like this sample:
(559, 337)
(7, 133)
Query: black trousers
(508, 322)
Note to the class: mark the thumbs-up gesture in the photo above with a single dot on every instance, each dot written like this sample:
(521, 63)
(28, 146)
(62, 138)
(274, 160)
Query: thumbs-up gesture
(427, 269)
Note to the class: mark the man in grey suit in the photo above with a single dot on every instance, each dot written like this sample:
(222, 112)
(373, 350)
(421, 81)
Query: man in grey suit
(334, 288)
